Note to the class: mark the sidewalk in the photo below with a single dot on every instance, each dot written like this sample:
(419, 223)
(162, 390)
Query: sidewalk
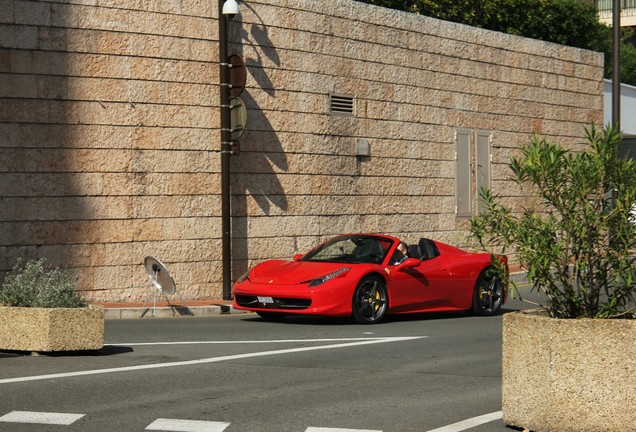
(163, 309)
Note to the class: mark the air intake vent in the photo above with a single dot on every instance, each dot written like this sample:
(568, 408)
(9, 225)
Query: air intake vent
(341, 104)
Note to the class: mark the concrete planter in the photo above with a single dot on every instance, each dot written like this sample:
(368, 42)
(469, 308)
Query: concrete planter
(51, 329)
(568, 375)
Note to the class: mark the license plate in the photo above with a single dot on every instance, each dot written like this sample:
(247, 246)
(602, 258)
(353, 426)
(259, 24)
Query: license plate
(265, 300)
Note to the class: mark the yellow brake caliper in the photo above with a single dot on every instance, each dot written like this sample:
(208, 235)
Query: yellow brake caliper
(376, 306)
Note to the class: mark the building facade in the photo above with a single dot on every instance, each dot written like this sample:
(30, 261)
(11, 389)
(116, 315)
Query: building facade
(627, 7)
(360, 118)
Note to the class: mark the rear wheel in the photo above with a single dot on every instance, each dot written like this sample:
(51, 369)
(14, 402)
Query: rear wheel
(370, 300)
(489, 293)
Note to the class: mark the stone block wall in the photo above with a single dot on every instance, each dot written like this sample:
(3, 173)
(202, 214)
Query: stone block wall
(110, 142)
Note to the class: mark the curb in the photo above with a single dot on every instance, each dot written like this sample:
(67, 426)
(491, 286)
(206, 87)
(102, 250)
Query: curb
(519, 277)
(134, 312)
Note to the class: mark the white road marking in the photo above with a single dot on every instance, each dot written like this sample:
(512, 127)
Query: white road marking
(321, 429)
(207, 360)
(175, 425)
(49, 418)
(470, 423)
(247, 342)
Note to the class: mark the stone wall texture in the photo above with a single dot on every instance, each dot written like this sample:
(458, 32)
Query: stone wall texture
(109, 130)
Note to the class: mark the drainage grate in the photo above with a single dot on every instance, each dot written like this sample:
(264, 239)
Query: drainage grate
(341, 104)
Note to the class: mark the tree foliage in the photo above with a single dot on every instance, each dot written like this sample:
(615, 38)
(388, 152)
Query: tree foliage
(577, 237)
(628, 64)
(566, 22)
(628, 58)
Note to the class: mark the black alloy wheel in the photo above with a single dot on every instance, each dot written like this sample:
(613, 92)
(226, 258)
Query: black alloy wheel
(489, 293)
(370, 300)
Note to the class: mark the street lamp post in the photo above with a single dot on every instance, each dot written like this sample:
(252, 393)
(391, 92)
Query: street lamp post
(616, 62)
(227, 10)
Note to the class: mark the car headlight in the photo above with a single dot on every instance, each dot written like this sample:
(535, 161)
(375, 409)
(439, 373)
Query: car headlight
(322, 280)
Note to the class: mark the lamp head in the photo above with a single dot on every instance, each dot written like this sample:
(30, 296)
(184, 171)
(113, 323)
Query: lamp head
(230, 8)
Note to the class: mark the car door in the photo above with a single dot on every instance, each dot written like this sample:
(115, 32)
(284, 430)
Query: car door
(425, 286)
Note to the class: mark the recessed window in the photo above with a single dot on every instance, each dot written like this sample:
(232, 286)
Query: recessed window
(463, 173)
(472, 170)
(341, 104)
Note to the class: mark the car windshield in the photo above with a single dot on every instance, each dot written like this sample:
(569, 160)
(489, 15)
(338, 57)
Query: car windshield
(351, 249)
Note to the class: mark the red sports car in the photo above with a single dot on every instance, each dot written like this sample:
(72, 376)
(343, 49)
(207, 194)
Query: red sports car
(366, 276)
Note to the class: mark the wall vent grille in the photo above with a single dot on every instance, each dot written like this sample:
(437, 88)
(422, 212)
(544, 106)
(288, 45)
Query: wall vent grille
(341, 104)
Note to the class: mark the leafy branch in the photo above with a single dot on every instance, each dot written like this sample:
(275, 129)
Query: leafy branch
(577, 237)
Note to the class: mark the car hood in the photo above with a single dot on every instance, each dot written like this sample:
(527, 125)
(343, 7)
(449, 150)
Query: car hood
(292, 272)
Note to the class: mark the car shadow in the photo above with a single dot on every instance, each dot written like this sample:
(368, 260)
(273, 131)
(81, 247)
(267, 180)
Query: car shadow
(508, 310)
(327, 320)
(301, 320)
(427, 316)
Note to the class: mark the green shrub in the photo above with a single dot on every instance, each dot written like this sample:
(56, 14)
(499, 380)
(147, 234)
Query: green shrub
(576, 238)
(36, 285)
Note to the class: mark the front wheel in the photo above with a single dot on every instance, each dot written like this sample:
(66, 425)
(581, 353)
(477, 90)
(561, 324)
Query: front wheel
(489, 293)
(370, 300)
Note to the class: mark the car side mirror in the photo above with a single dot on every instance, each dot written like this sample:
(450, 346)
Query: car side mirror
(297, 257)
(408, 263)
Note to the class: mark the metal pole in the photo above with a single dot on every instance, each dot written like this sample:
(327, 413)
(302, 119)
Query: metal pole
(616, 63)
(226, 150)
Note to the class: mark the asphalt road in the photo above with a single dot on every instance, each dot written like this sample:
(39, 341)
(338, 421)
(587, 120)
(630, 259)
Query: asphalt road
(238, 373)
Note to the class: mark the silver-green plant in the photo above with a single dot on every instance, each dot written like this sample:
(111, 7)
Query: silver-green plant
(33, 284)
(577, 237)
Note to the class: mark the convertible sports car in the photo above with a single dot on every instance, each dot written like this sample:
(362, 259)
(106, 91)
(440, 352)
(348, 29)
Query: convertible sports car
(366, 276)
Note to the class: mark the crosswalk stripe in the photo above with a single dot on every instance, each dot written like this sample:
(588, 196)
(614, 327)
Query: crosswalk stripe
(49, 418)
(175, 425)
(323, 429)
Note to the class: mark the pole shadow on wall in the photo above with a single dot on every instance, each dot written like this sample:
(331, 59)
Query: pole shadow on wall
(254, 169)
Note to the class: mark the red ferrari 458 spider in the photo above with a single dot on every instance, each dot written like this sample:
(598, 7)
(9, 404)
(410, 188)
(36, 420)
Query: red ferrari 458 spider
(365, 276)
